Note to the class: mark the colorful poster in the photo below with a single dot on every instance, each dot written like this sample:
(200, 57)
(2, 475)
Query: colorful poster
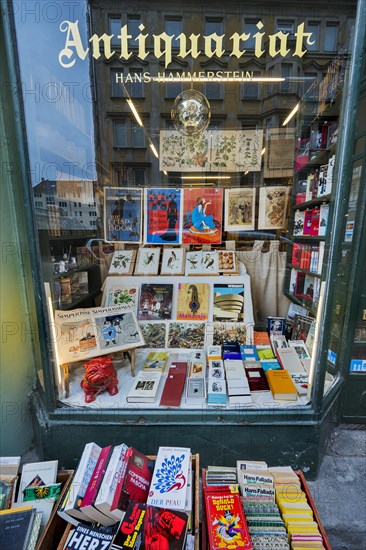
(163, 216)
(239, 209)
(123, 214)
(202, 215)
(273, 207)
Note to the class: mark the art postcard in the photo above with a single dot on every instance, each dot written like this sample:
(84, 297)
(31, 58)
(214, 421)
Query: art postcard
(193, 302)
(202, 262)
(202, 215)
(229, 332)
(147, 262)
(227, 261)
(155, 302)
(228, 302)
(122, 262)
(123, 214)
(163, 216)
(186, 335)
(172, 262)
(239, 209)
(273, 207)
(122, 295)
(154, 333)
(90, 332)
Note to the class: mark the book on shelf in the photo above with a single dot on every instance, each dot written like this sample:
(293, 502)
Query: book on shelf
(278, 342)
(322, 188)
(248, 352)
(114, 473)
(85, 536)
(16, 528)
(296, 254)
(295, 309)
(174, 385)
(9, 465)
(300, 348)
(156, 361)
(307, 221)
(265, 353)
(253, 476)
(42, 506)
(299, 220)
(281, 385)
(256, 376)
(301, 328)
(216, 369)
(214, 353)
(195, 391)
(309, 287)
(330, 172)
(130, 533)
(270, 365)
(165, 529)
(261, 338)
(315, 220)
(36, 474)
(216, 391)
(145, 387)
(323, 219)
(320, 257)
(168, 488)
(276, 325)
(7, 490)
(289, 359)
(292, 284)
(301, 381)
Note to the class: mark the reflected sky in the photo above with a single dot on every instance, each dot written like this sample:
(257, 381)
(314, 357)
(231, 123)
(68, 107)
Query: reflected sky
(57, 101)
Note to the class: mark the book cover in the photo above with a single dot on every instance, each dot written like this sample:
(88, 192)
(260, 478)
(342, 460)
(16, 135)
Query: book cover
(296, 255)
(174, 385)
(322, 188)
(165, 529)
(301, 328)
(9, 465)
(307, 222)
(122, 295)
(281, 385)
(308, 287)
(16, 528)
(163, 216)
(122, 214)
(315, 221)
(270, 365)
(256, 377)
(193, 302)
(168, 487)
(214, 352)
(278, 342)
(226, 524)
(84, 536)
(216, 369)
(276, 325)
(323, 219)
(292, 284)
(300, 348)
(111, 478)
(42, 506)
(261, 339)
(144, 387)
(155, 302)
(216, 391)
(228, 302)
(130, 532)
(36, 474)
(299, 223)
(300, 284)
(301, 381)
(156, 361)
(43, 491)
(265, 353)
(195, 391)
(289, 359)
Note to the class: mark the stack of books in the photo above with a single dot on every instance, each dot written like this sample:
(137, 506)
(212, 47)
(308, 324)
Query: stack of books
(237, 383)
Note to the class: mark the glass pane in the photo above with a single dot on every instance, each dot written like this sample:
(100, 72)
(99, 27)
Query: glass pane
(214, 27)
(331, 35)
(173, 27)
(117, 89)
(115, 29)
(120, 138)
(313, 27)
(133, 29)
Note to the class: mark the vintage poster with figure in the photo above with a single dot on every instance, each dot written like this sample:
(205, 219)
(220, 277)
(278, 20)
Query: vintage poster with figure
(239, 209)
(123, 214)
(279, 155)
(273, 207)
(163, 216)
(202, 215)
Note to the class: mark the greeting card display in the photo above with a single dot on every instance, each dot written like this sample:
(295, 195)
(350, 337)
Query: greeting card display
(147, 262)
(227, 261)
(155, 302)
(202, 262)
(239, 209)
(173, 261)
(163, 216)
(122, 295)
(193, 301)
(202, 215)
(123, 214)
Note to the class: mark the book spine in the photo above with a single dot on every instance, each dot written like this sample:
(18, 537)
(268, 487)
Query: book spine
(122, 475)
(87, 462)
(97, 477)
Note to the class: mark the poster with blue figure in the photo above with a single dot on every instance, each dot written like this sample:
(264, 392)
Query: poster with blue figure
(163, 216)
(123, 214)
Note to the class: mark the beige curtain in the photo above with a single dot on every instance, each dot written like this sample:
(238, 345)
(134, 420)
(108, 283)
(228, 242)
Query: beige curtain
(267, 271)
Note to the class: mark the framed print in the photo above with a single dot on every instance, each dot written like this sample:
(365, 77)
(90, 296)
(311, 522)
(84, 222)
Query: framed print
(239, 209)
(227, 261)
(202, 262)
(172, 262)
(280, 152)
(123, 214)
(147, 262)
(163, 216)
(122, 262)
(154, 333)
(273, 207)
(202, 215)
(186, 335)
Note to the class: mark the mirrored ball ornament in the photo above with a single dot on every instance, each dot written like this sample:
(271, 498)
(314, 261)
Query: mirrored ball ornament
(191, 112)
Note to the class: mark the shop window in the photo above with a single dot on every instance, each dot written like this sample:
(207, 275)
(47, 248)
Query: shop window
(117, 89)
(119, 134)
(331, 37)
(313, 27)
(173, 27)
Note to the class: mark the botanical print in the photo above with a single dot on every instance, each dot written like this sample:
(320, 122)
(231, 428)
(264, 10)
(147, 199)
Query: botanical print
(163, 224)
(121, 295)
(273, 207)
(173, 261)
(202, 211)
(213, 150)
(239, 209)
(122, 262)
(229, 332)
(147, 261)
(154, 334)
(186, 335)
(122, 214)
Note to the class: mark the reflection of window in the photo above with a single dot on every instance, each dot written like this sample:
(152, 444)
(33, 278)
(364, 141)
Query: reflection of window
(310, 85)
(39, 204)
(133, 23)
(173, 89)
(116, 87)
(135, 88)
(286, 26)
(138, 135)
(251, 89)
(173, 27)
(285, 73)
(250, 27)
(313, 27)
(215, 125)
(119, 134)
(139, 176)
(331, 35)
(115, 29)
(214, 26)
(213, 90)
(50, 200)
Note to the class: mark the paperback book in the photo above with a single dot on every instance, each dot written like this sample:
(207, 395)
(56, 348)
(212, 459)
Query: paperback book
(155, 302)
(228, 302)
(144, 388)
(164, 529)
(193, 302)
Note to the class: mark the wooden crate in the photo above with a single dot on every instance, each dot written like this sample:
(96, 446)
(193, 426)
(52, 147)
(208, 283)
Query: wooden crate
(57, 531)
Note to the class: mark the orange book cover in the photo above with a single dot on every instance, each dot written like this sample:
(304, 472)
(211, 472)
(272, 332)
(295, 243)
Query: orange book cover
(281, 385)
(227, 526)
(261, 339)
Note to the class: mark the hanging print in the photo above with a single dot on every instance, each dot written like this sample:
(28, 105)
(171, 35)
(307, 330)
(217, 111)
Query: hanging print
(272, 207)
(163, 224)
(122, 214)
(202, 215)
(239, 209)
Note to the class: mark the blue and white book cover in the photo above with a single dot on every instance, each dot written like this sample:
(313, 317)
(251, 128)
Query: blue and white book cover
(168, 487)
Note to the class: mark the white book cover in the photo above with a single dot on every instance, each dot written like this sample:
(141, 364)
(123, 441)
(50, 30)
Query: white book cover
(323, 221)
(144, 388)
(240, 400)
(81, 480)
(329, 178)
(42, 505)
(111, 478)
(299, 222)
(321, 257)
(216, 370)
(293, 279)
(250, 465)
(289, 359)
(9, 465)
(36, 474)
(300, 348)
(301, 381)
(168, 487)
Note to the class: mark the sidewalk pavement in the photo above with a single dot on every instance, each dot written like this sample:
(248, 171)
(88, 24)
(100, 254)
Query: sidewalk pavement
(339, 490)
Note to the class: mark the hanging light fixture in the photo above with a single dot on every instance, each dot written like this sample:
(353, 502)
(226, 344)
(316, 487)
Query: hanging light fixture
(191, 112)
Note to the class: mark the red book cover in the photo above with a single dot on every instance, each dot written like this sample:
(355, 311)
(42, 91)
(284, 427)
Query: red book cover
(97, 477)
(296, 255)
(307, 221)
(300, 283)
(226, 523)
(256, 379)
(164, 529)
(300, 197)
(315, 219)
(174, 385)
(136, 481)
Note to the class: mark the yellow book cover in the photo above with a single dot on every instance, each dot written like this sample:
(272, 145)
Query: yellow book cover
(281, 385)
(193, 302)
(156, 361)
